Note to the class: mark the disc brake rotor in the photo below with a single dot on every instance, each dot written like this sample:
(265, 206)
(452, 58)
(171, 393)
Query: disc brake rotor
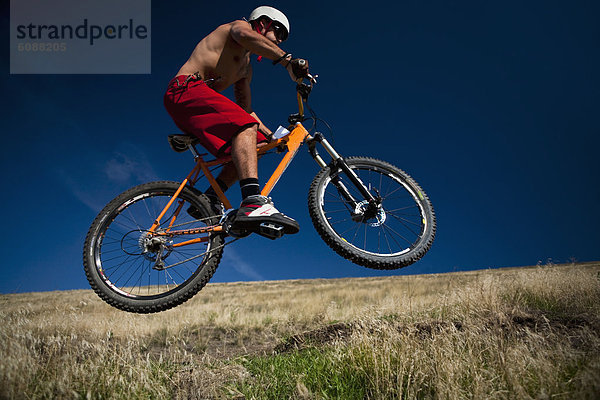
(363, 207)
(153, 246)
(149, 245)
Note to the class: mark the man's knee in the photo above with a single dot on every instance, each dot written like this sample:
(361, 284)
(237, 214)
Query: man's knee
(245, 139)
(249, 130)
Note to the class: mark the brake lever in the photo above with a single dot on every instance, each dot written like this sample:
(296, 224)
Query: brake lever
(313, 79)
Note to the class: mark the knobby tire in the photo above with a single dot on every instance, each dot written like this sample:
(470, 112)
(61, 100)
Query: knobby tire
(399, 234)
(110, 232)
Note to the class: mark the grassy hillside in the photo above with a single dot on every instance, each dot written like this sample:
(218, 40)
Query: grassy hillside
(507, 334)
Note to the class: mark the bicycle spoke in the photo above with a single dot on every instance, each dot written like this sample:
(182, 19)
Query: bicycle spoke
(111, 259)
(402, 208)
(387, 191)
(407, 196)
(346, 231)
(389, 194)
(127, 227)
(104, 252)
(139, 279)
(200, 255)
(176, 272)
(167, 276)
(121, 264)
(181, 258)
(406, 226)
(185, 253)
(339, 222)
(397, 234)
(404, 220)
(127, 260)
(134, 272)
(356, 233)
(335, 211)
(132, 219)
(112, 239)
(335, 196)
(148, 210)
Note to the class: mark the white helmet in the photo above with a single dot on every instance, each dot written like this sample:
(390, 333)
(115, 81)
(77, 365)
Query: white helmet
(273, 14)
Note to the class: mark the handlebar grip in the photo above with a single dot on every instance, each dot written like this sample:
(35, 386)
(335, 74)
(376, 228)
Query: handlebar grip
(301, 62)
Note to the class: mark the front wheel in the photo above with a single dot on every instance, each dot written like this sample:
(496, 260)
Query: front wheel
(394, 231)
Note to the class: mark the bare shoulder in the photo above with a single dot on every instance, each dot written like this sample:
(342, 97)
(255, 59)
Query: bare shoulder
(222, 30)
(240, 25)
(218, 38)
(239, 28)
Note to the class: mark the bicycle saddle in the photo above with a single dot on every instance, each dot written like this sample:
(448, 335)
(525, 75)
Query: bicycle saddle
(181, 143)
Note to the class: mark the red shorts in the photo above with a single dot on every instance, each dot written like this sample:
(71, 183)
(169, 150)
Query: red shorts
(200, 111)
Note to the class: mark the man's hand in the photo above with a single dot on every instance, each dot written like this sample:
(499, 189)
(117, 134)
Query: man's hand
(265, 131)
(262, 127)
(297, 68)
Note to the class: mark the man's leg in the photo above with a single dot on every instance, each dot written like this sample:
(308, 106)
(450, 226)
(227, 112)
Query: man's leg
(243, 159)
(243, 153)
(244, 168)
(229, 174)
(255, 209)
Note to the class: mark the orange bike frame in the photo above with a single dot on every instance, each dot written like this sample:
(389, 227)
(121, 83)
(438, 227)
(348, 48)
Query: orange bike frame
(289, 143)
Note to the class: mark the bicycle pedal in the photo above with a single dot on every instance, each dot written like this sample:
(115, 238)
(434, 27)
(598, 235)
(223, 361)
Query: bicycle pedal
(269, 230)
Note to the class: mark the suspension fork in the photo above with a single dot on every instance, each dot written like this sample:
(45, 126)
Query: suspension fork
(339, 162)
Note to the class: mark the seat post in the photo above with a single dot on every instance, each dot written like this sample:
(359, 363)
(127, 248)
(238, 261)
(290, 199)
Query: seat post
(194, 152)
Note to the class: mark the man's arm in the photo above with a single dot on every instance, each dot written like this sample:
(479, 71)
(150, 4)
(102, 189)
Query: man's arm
(241, 92)
(242, 33)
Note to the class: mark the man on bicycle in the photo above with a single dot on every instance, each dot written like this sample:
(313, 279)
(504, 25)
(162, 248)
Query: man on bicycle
(222, 126)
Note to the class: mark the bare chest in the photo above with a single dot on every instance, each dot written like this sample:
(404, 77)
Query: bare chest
(234, 66)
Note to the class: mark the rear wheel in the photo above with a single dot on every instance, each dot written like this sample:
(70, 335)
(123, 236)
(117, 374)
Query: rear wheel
(140, 271)
(394, 231)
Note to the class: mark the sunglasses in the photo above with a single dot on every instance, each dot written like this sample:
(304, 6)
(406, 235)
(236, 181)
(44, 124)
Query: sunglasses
(279, 30)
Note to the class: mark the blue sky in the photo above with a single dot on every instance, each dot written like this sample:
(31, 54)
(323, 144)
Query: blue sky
(492, 107)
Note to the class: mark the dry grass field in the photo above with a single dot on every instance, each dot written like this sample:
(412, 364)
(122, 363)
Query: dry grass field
(519, 333)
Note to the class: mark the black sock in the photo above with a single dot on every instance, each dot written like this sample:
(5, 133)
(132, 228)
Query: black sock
(250, 187)
(211, 192)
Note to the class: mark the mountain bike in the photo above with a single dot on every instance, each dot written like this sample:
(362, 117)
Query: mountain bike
(145, 252)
